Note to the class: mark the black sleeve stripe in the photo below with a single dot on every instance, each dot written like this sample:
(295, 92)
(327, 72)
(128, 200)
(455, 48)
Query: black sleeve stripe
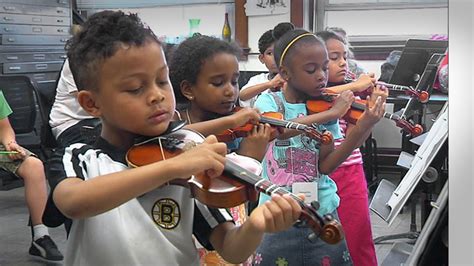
(76, 161)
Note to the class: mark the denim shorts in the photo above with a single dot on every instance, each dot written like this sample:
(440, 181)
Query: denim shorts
(292, 248)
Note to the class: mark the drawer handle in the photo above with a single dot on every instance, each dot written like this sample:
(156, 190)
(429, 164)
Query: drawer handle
(7, 18)
(60, 20)
(39, 56)
(14, 68)
(60, 30)
(60, 11)
(36, 19)
(9, 8)
(8, 29)
(37, 29)
(11, 39)
(12, 57)
(63, 40)
(63, 56)
(41, 66)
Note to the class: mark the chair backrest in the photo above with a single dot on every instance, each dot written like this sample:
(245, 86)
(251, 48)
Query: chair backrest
(20, 95)
(46, 98)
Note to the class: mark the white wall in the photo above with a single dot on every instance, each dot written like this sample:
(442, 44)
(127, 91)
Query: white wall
(173, 21)
(257, 25)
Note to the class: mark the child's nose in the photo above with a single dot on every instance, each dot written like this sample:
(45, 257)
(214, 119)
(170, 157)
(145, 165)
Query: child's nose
(156, 96)
(229, 90)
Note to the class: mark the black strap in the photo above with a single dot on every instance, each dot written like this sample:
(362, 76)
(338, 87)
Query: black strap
(279, 102)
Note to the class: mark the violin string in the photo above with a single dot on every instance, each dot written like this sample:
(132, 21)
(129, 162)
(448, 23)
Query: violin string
(162, 154)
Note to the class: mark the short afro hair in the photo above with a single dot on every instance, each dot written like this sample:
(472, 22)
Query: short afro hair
(99, 40)
(265, 41)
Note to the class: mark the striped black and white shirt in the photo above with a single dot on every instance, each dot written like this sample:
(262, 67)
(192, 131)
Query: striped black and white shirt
(154, 229)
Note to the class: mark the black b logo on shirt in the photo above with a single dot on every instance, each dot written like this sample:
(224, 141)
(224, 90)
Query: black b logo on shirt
(166, 213)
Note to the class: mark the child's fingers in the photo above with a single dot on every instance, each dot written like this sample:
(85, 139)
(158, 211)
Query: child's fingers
(295, 206)
(218, 147)
(210, 139)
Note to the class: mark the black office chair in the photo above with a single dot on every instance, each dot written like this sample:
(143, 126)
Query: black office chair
(20, 95)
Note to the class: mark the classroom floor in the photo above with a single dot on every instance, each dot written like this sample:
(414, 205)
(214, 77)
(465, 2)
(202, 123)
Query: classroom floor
(15, 235)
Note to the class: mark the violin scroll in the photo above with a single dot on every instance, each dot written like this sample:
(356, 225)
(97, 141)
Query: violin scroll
(414, 130)
(323, 138)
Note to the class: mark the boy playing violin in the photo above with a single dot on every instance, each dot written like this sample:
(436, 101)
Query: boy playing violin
(122, 77)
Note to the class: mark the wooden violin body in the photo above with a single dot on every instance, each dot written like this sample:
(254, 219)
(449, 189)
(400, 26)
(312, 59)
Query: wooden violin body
(222, 192)
(235, 187)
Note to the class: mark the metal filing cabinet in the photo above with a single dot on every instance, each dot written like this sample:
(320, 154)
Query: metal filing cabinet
(32, 38)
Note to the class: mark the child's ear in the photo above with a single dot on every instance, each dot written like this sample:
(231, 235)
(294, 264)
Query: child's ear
(187, 90)
(260, 57)
(88, 102)
(284, 73)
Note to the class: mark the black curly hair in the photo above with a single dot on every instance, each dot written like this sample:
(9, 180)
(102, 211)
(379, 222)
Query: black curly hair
(189, 56)
(285, 33)
(99, 40)
(265, 41)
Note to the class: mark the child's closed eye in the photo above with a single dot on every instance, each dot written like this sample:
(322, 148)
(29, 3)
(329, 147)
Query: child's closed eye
(135, 91)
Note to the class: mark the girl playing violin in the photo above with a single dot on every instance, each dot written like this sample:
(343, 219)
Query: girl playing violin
(353, 209)
(204, 72)
(299, 164)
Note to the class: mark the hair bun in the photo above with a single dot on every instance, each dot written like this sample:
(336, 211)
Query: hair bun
(282, 28)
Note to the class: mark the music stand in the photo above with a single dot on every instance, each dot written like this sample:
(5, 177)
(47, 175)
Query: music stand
(413, 60)
(418, 54)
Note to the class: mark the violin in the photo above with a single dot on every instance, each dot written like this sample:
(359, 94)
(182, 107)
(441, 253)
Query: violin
(421, 96)
(326, 101)
(234, 187)
(275, 119)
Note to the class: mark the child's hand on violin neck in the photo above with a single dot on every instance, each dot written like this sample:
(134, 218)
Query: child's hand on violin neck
(208, 157)
(364, 82)
(372, 114)
(275, 215)
(379, 90)
(244, 116)
(343, 102)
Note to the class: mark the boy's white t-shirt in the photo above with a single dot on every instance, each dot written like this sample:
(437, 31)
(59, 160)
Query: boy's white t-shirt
(66, 111)
(153, 229)
(257, 79)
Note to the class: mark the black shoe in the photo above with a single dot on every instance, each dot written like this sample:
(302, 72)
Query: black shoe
(45, 248)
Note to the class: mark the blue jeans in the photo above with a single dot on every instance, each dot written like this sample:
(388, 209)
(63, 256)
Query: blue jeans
(292, 248)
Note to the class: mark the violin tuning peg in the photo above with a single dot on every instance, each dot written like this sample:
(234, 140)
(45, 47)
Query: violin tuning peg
(315, 204)
(328, 217)
(312, 237)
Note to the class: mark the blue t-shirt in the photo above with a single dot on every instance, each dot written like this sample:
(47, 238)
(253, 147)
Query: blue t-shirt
(296, 159)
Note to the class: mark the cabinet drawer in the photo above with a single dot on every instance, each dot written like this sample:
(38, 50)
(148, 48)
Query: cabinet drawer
(56, 3)
(46, 77)
(7, 39)
(10, 68)
(16, 57)
(34, 10)
(34, 19)
(33, 29)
